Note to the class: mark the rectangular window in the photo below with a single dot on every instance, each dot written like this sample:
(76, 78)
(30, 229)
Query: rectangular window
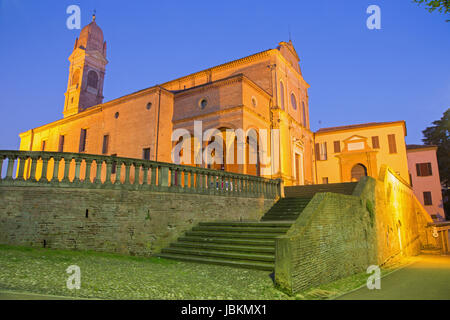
(375, 142)
(337, 146)
(424, 169)
(105, 144)
(83, 136)
(427, 198)
(114, 164)
(392, 144)
(61, 144)
(410, 180)
(146, 154)
(325, 180)
(43, 145)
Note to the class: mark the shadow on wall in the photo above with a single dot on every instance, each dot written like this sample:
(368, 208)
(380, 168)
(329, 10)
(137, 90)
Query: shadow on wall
(339, 235)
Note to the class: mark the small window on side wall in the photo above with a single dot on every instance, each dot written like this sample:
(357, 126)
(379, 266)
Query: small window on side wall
(83, 135)
(427, 201)
(146, 153)
(61, 144)
(105, 144)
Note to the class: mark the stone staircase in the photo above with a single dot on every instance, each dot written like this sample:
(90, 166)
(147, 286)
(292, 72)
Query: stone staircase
(247, 244)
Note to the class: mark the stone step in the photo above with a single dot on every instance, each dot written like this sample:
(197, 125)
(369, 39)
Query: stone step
(245, 242)
(245, 224)
(215, 234)
(233, 229)
(270, 249)
(232, 263)
(220, 254)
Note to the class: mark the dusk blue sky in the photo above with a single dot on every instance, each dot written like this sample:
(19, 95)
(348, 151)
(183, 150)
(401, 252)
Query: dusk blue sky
(357, 75)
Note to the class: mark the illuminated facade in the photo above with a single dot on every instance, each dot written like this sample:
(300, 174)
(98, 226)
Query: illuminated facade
(262, 91)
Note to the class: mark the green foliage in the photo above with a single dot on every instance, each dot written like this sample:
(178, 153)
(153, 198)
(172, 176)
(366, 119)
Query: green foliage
(443, 6)
(438, 135)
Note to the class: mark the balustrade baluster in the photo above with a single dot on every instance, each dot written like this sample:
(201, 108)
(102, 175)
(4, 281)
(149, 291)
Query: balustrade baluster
(137, 173)
(21, 170)
(145, 175)
(118, 172)
(153, 177)
(76, 178)
(45, 160)
(34, 160)
(109, 165)
(1, 166)
(10, 168)
(98, 172)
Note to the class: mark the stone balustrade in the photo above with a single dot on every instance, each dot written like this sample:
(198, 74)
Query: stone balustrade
(96, 171)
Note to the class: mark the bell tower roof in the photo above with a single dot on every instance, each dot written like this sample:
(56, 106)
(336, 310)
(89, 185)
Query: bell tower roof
(91, 37)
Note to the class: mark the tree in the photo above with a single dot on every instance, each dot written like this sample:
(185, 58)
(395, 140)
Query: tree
(443, 6)
(438, 135)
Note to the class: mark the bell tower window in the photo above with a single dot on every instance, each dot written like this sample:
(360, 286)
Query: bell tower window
(92, 79)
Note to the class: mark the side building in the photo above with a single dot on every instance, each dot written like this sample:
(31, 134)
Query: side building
(425, 181)
(347, 153)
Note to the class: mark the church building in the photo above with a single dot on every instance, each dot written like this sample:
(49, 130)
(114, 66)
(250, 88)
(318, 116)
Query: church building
(264, 91)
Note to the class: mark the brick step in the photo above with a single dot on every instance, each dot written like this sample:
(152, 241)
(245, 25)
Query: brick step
(290, 219)
(215, 234)
(233, 229)
(232, 263)
(270, 249)
(287, 209)
(221, 254)
(233, 241)
(283, 214)
(245, 224)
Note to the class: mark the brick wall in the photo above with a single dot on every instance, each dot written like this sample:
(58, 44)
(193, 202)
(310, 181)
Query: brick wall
(339, 235)
(122, 221)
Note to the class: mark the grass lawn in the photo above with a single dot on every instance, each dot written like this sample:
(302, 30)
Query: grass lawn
(112, 276)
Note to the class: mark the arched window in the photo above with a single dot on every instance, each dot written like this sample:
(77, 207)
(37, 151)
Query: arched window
(282, 95)
(358, 171)
(92, 79)
(75, 77)
(293, 101)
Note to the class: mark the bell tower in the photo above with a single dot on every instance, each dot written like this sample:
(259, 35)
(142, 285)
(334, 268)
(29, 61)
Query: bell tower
(87, 70)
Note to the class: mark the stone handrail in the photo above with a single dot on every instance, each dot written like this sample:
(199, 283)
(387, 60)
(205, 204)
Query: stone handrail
(97, 171)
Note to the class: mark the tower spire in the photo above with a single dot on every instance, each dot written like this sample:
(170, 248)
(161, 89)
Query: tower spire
(93, 15)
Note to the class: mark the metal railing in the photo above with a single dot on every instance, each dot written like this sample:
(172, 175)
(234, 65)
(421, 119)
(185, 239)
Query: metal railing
(97, 171)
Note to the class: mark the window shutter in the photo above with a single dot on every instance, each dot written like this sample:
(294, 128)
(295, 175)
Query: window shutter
(317, 150)
(430, 172)
(337, 146)
(325, 151)
(418, 169)
(375, 142)
(392, 144)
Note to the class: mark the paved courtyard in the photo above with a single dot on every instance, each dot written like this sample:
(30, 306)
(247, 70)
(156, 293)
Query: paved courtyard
(428, 278)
